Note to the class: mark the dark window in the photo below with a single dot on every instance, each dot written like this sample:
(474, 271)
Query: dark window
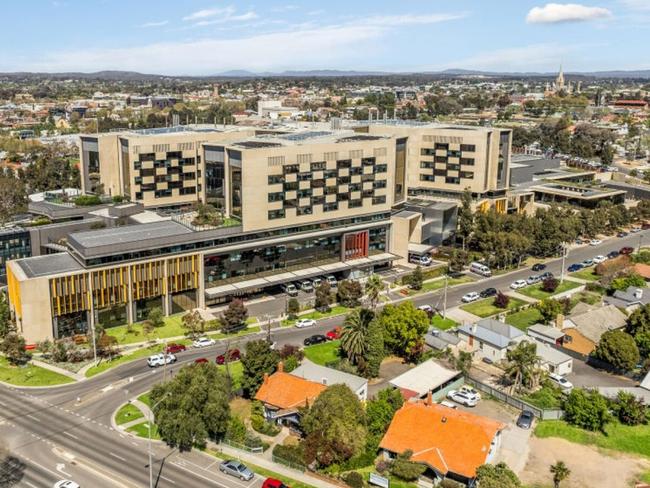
(441, 146)
(318, 200)
(304, 176)
(330, 207)
(292, 185)
(304, 193)
(317, 183)
(440, 172)
(452, 180)
(291, 168)
(467, 175)
(356, 171)
(343, 180)
(318, 166)
(467, 161)
(276, 197)
(276, 214)
(380, 168)
(379, 184)
(355, 203)
(440, 159)
(331, 190)
(427, 178)
(468, 147)
(379, 200)
(427, 151)
(368, 161)
(304, 211)
(273, 179)
(343, 163)
(453, 154)
(453, 167)
(426, 165)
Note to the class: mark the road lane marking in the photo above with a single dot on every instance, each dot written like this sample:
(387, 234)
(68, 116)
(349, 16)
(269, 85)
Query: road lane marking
(71, 435)
(197, 474)
(32, 417)
(116, 456)
(29, 484)
(167, 479)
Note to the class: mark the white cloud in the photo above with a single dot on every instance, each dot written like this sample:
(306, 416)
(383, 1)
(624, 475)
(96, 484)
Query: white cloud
(154, 24)
(410, 19)
(209, 12)
(553, 13)
(228, 18)
(637, 4)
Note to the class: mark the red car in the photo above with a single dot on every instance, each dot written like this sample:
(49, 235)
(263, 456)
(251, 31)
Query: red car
(175, 348)
(273, 483)
(626, 250)
(201, 361)
(333, 334)
(233, 355)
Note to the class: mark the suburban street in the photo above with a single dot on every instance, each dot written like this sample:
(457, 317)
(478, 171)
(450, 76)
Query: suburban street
(66, 432)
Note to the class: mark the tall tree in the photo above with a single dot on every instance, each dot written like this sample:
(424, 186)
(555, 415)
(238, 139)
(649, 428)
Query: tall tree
(638, 326)
(193, 323)
(323, 297)
(374, 286)
(13, 198)
(259, 360)
(354, 334)
(193, 406)
(404, 327)
(376, 349)
(618, 349)
(349, 292)
(234, 316)
(465, 217)
(522, 362)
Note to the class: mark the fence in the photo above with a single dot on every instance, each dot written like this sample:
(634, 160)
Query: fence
(544, 414)
(242, 447)
(286, 462)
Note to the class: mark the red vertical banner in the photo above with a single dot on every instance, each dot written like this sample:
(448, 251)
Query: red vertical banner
(356, 245)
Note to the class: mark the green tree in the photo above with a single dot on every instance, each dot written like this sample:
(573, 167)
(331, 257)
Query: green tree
(374, 286)
(6, 324)
(497, 476)
(404, 327)
(376, 350)
(464, 362)
(13, 347)
(522, 365)
(335, 427)
(156, 317)
(193, 406)
(560, 472)
(13, 198)
(349, 292)
(465, 217)
(354, 334)
(638, 326)
(193, 323)
(380, 411)
(624, 282)
(416, 279)
(618, 349)
(293, 307)
(549, 309)
(323, 297)
(234, 316)
(458, 260)
(587, 409)
(406, 469)
(259, 360)
(629, 409)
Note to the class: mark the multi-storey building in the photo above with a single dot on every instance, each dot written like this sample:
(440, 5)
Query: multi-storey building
(296, 204)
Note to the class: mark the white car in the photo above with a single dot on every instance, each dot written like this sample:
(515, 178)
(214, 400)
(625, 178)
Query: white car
(203, 342)
(160, 360)
(599, 259)
(426, 308)
(462, 398)
(66, 484)
(302, 323)
(447, 404)
(515, 285)
(636, 229)
(595, 242)
(471, 297)
(561, 381)
(470, 391)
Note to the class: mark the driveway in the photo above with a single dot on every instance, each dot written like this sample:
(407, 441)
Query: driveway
(584, 375)
(389, 369)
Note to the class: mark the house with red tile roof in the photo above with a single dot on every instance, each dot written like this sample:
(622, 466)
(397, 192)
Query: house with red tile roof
(450, 443)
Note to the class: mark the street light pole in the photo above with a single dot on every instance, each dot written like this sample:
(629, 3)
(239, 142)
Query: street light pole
(150, 453)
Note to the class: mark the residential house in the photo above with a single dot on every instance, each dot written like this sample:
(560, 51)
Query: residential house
(450, 443)
(546, 333)
(428, 378)
(489, 338)
(283, 394)
(552, 359)
(584, 330)
(441, 340)
(628, 300)
(328, 377)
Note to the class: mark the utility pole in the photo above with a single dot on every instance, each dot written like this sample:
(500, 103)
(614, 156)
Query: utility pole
(565, 253)
(444, 302)
(638, 249)
(151, 419)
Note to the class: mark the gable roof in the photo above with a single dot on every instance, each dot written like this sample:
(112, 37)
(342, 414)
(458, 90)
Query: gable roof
(283, 390)
(493, 332)
(445, 439)
(548, 354)
(595, 323)
(547, 331)
(424, 377)
(327, 376)
(628, 295)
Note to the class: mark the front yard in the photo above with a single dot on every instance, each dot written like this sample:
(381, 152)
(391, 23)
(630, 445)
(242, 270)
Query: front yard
(587, 274)
(535, 291)
(30, 375)
(443, 324)
(524, 318)
(324, 353)
(486, 308)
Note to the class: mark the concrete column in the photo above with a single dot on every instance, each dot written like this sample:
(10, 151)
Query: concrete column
(166, 298)
(129, 304)
(200, 291)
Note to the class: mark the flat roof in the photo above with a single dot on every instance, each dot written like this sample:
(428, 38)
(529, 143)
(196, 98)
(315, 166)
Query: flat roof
(49, 264)
(129, 233)
(424, 377)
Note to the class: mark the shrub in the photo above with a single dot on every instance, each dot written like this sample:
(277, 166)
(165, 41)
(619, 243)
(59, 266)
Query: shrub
(293, 307)
(290, 364)
(586, 409)
(59, 352)
(353, 479)
(382, 466)
(618, 349)
(550, 284)
(236, 430)
(629, 409)
(289, 350)
(289, 454)
(259, 423)
(406, 469)
(449, 483)
(87, 200)
(595, 287)
(501, 300)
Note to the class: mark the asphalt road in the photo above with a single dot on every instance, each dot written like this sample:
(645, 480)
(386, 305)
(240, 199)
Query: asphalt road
(66, 432)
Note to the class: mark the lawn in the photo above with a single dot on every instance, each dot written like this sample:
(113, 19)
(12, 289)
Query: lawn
(535, 291)
(142, 430)
(617, 437)
(236, 373)
(144, 398)
(173, 327)
(443, 324)
(324, 353)
(486, 308)
(128, 413)
(524, 318)
(440, 283)
(106, 364)
(30, 375)
(587, 274)
(316, 315)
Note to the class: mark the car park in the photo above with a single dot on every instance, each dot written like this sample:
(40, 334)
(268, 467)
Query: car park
(160, 360)
(488, 292)
(232, 355)
(561, 381)
(290, 289)
(599, 259)
(203, 342)
(525, 420)
(273, 483)
(302, 323)
(539, 267)
(533, 279)
(462, 398)
(470, 297)
(595, 242)
(575, 267)
(331, 279)
(613, 254)
(175, 348)
(587, 262)
(315, 339)
(236, 469)
(515, 285)
(626, 250)
(333, 334)
(306, 286)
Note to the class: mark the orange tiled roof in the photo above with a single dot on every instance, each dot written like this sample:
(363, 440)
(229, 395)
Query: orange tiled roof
(445, 439)
(283, 390)
(643, 270)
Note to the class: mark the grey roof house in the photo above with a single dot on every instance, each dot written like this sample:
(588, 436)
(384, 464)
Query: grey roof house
(489, 338)
(629, 299)
(329, 376)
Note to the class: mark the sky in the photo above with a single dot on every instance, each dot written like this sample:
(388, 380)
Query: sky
(206, 37)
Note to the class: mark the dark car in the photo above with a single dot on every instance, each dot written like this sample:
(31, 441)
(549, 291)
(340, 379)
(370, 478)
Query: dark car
(175, 348)
(233, 355)
(626, 250)
(488, 292)
(539, 267)
(525, 420)
(613, 254)
(315, 339)
(622, 234)
(546, 275)
(575, 267)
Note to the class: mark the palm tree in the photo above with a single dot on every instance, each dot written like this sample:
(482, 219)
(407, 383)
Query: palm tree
(522, 365)
(560, 473)
(374, 286)
(354, 334)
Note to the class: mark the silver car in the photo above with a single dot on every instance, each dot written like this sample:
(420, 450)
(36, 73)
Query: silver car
(236, 469)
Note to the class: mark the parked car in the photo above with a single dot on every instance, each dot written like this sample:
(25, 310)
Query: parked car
(599, 259)
(626, 250)
(575, 267)
(306, 286)
(579, 241)
(316, 282)
(302, 323)
(525, 420)
(201, 360)
(488, 292)
(595, 242)
(236, 469)
(635, 229)
(175, 348)
(561, 381)
(470, 297)
(66, 484)
(233, 355)
(447, 404)
(273, 483)
(533, 279)
(622, 234)
(315, 339)
(470, 390)
(160, 360)
(539, 267)
(331, 279)
(290, 289)
(588, 262)
(546, 275)
(613, 254)
(515, 285)
(203, 342)
(462, 398)
(428, 309)
(333, 334)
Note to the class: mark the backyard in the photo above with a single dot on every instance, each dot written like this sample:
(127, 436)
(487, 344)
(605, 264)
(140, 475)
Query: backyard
(486, 308)
(535, 291)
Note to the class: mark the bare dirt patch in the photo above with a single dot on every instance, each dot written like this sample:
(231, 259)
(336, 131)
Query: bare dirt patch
(589, 466)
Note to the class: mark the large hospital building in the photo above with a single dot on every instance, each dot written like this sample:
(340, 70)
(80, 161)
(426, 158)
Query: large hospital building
(297, 202)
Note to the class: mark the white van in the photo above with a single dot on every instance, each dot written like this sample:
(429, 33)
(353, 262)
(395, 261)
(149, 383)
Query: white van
(420, 260)
(481, 269)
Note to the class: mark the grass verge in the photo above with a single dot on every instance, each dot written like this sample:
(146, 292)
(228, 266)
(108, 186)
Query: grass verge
(587, 274)
(128, 413)
(440, 283)
(316, 315)
(144, 398)
(524, 318)
(107, 364)
(535, 291)
(324, 353)
(30, 375)
(142, 430)
(486, 308)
